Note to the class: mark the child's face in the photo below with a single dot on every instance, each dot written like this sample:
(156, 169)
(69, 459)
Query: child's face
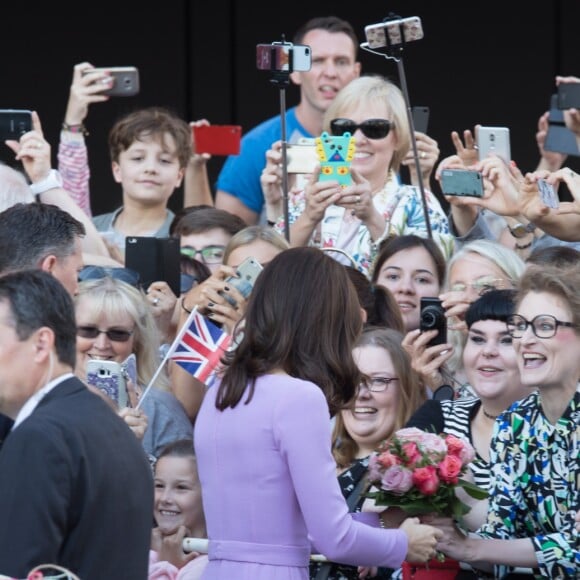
(177, 495)
(149, 170)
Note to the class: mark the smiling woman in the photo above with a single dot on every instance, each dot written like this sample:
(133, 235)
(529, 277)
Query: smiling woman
(535, 454)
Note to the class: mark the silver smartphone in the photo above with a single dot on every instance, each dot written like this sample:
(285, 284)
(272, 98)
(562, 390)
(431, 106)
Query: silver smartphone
(287, 57)
(493, 140)
(108, 376)
(301, 157)
(125, 80)
(247, 274)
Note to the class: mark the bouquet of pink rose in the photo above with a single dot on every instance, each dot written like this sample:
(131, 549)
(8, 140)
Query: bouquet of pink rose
(419, 471)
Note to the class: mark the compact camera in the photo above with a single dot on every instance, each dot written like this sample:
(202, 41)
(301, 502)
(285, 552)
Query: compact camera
(433, 318)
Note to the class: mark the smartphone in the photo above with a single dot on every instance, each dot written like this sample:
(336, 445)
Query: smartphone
(548, 194)
(494, 140)
(569, 96)
(559, 138)
(420, 118)
(433, 317)
(283, 57)
(217, 139)
(461, 182)
(125, 80)
(247, 274)
(394, 32)
(335, 154)
(301, 157)
(155, 259)
(14, 123)
(108, 377)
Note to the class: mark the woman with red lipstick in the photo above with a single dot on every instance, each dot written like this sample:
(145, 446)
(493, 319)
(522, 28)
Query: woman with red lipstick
(535, 449)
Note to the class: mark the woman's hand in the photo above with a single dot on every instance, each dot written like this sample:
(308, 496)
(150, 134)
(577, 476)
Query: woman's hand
(319, 195)
(136, 420)
(428, 151)
(422, 540)
(427, 360)
(466, 150)
(169, 546)
(162, 301)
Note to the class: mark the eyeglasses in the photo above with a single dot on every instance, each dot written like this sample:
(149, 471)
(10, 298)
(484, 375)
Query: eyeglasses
(371, 128)
(209, 254)
(97, 272)
(482, 285)
(113, 334)
(543, 325)
(377, 384)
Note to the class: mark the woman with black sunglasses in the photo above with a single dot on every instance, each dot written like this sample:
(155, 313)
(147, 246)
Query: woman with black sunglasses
(357, 217)
(535, 449)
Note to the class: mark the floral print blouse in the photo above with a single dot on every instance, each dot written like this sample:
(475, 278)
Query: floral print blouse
(400, 205)
(535, 484)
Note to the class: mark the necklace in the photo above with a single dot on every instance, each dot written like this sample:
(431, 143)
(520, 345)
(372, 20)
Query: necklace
(489, 415)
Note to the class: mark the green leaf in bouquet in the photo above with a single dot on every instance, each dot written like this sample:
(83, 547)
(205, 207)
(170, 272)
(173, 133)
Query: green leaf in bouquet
(473, 490)
(459, 509)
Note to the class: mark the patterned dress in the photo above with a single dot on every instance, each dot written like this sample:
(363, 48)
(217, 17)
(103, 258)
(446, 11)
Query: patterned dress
(535, 484)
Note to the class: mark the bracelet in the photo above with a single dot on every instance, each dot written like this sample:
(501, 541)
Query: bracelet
(523, 246)
(183, 305)
(80, 128)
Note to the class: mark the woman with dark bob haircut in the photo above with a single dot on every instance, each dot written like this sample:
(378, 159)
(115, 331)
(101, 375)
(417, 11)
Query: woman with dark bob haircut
(262, 435)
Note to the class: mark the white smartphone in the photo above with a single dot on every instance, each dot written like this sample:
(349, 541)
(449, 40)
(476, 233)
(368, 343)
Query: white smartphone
(247, 274)
(397, 32)
(287, 57)
(302, 158)
(493, 140)
(125, 80)
(108, 377)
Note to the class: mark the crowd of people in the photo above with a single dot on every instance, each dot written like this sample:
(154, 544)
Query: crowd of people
(265, 461)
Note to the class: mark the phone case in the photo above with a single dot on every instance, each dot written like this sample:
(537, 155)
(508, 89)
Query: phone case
(569, 96)
(217, 139)
(335, 154)
(461, 182)
(126, 80)
(14, 123)
(108, 377)
(155, 259)
(248, 272)
(559, 138)
(411, 29)
(494, 140)
(420, 118)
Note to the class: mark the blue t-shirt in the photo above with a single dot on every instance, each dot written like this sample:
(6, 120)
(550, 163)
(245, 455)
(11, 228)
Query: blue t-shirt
(240, 174)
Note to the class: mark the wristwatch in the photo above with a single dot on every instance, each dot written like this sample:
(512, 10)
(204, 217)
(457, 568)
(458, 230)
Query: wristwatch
(521, 230)
(51, 181)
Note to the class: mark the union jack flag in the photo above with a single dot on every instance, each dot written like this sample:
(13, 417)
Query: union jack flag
(199, 346)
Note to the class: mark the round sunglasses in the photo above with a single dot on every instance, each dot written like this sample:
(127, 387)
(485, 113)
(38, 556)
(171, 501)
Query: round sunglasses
(371, 128)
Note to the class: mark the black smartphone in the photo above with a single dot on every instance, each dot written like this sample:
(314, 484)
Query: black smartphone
(14, 123)
(420, 118)
(559, 138)
(155, 259)
(569, 96)
(433, 317)
(461, 182)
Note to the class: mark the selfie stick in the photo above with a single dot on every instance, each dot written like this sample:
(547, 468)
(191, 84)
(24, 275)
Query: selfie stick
(282, 79)
(394, 52)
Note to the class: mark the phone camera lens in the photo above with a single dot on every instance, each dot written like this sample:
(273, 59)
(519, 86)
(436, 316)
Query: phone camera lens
(492, 137)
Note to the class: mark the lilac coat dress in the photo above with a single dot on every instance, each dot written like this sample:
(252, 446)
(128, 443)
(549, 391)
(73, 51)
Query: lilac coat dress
(270, 491)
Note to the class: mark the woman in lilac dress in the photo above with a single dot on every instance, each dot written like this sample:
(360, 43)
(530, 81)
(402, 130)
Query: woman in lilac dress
(262, 436)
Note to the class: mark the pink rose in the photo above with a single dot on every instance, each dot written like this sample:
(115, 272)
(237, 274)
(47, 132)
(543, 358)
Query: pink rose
(450, 468)
(434, 443)
(454, 445)
(467, 454)
(412, 452)
(387, 459)
(397, 479)
(375, 468)
(411, 433)
(426, 480)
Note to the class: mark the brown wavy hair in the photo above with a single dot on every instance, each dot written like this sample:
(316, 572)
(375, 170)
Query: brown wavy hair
(302, 317)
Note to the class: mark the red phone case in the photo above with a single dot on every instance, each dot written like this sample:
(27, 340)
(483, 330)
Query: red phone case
(217, 139)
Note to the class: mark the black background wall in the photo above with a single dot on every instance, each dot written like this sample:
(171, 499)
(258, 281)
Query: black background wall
(492, 63)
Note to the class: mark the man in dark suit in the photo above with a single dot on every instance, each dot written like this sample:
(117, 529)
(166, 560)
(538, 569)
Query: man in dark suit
(76, 488)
